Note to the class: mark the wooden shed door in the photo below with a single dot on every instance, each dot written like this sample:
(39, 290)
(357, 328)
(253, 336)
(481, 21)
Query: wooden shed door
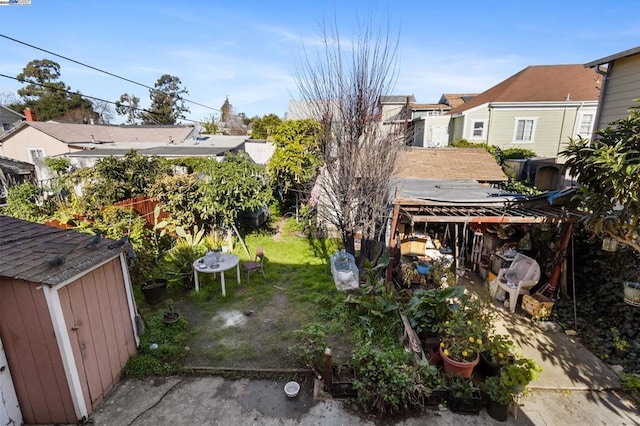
(9, 408)
(100, 329)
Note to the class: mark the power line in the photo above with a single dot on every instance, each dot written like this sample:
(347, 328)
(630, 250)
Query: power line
(103, 71)
(141, 110)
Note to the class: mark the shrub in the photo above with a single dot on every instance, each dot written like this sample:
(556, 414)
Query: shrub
(387, 380)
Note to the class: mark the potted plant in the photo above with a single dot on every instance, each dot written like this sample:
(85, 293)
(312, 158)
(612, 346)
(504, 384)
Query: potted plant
(462, 342)
(422, 267)
(154, 290)
(170, 315)
(519, 373)
(410, 274)
(467, 398)
(620, 345)
(498, 351)
(500, 397)
(342, 379)
(427, 310)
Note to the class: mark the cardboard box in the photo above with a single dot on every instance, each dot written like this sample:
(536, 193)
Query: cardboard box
(537, 305)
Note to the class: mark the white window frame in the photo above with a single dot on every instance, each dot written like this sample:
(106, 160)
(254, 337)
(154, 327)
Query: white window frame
(532, 139)
(473, 129)
(32, 149)
(581, 123)
(6, 126)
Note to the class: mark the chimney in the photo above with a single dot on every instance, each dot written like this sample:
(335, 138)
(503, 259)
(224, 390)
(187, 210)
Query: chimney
(30, 115)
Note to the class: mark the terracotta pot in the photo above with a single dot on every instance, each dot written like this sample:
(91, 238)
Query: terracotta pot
(463, 369)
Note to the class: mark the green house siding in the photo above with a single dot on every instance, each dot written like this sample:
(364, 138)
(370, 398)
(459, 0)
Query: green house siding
(621, 90)
(553, 126)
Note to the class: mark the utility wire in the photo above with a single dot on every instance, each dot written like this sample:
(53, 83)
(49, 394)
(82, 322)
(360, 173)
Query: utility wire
(150, 114)
(103, 71)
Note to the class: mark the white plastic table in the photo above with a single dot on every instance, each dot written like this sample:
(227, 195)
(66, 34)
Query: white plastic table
(226, 262)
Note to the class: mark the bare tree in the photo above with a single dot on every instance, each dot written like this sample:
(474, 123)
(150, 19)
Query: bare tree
(104, 111)
(341, 87)
(8, 97)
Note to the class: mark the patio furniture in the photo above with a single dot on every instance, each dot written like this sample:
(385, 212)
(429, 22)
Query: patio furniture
(517, 279)
(256, 264)
(226, 261)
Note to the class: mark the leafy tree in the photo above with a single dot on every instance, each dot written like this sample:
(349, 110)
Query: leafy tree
(59, 165)
(46, 95)
(341, 87)
(232, 187)
(608, 171)
(167, 105)
(263, 127)
(210, 124)
(296, 159)
(178, 194)
(115, 179)
(21, 202)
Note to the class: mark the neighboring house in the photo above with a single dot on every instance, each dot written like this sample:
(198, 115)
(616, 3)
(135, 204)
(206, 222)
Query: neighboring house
(259, 150)
(429, 125)
(538, 109)
(209, 146)
(33, 141)
(396, 109)
(621, 86)
(13, 172)
(67, 322)
(9, 119)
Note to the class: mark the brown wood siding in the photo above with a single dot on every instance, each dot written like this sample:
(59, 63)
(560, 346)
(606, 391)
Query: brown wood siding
(33, 354)
(97, 306)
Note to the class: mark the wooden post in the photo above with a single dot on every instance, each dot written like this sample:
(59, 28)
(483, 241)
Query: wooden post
(328, 372)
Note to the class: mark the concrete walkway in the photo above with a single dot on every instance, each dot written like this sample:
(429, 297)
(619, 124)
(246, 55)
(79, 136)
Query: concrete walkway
(216, 401)
(574, 388)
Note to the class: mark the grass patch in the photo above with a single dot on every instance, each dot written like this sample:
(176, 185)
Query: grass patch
(168, 358)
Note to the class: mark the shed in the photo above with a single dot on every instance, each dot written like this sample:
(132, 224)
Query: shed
(67, 320)
(468, 202)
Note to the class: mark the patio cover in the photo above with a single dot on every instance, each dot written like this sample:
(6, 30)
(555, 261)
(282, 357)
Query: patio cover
(469, 201)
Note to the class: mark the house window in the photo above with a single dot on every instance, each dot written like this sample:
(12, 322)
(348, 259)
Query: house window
(36, 155)
(478, 130)
(524, 130)
(586, 125)
(6, 126)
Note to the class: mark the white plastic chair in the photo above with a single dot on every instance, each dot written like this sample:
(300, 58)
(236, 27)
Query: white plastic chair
(517, 279)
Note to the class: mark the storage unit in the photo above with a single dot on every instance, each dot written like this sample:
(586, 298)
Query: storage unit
(537, 305)
(66, 320)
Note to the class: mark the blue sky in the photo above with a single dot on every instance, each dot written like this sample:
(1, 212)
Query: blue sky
(248, 49)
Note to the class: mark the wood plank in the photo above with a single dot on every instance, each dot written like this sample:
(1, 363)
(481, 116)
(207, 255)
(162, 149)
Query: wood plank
(11, 329)
(69, 319)
(85, 343)
(101, 283)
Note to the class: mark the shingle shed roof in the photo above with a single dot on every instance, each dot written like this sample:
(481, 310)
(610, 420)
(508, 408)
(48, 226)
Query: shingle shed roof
(542, 83)
(25, 248)
(448, 163)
